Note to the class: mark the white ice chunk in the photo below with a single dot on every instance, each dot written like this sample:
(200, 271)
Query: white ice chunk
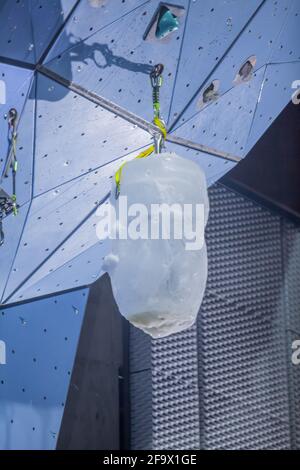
(159, 284)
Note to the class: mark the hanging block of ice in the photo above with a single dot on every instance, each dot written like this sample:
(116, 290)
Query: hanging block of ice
(158, 271)
(167, 23)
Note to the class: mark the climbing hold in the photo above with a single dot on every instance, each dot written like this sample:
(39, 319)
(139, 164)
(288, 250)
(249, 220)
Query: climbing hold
(167, 23)
(211, 92)
(246, 70)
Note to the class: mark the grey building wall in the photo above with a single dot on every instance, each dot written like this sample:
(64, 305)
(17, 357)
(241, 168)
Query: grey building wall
(228, 382)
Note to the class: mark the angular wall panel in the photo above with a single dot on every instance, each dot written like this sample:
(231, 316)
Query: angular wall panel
(24, 149)
(47, 18)
(17, 85)
(211, 28)
(75, 136)
(89, 17)
(41, 339)
(28, 26)
(226, 124)
(77, 262)
(12, 228)
(51, 220)
(50, 236)
(257, 40)
(115, 62)
(287, 46)
(82, 270)
(276, 93)
(16, 40)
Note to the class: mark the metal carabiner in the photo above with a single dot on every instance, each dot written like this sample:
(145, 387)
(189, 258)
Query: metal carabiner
(12, 117)
(156, 75)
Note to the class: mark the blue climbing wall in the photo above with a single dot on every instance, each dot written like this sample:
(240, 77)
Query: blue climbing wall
(69, 147)
(39, 341)
(27, 26)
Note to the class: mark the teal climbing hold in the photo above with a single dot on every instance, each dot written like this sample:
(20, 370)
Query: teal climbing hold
(166, 24)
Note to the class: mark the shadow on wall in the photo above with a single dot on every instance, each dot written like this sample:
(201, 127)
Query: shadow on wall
(95, 54)
(76, 50)
(89, 52)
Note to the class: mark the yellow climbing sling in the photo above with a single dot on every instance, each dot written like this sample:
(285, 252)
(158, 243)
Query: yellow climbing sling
(156, 82)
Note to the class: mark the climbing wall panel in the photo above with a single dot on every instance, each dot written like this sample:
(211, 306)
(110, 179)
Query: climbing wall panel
(47, 20)
(81, 270)
(16, 84)
(13, 228)
(75, 136)
(88, 18)
(287, 47)
(278, 82)
(69, 147)
(211, 28)
(24, 148)
(215, 125)
(62, 224)
(16, 41)
(115, 62)
(78, 261)
(255, 41)
(41, 339)
(53, 217)
(28, 26)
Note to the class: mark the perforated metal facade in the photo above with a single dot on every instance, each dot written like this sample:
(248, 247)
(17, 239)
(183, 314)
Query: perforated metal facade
(229, 382)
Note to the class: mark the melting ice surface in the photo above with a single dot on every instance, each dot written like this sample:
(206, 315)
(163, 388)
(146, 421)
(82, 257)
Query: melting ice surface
(159, 284)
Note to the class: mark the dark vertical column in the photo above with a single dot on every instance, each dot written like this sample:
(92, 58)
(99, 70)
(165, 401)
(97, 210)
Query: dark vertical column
(92, 413)
(270, 173)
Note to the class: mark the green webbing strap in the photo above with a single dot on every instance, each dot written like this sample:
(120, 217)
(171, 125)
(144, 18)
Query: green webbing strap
(143, 154)
(8, 204)
(156, 82)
